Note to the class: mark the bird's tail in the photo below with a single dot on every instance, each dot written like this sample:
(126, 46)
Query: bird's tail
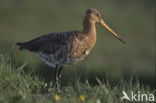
(21, 45)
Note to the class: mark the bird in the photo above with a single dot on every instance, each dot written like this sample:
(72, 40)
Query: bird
(58, 49)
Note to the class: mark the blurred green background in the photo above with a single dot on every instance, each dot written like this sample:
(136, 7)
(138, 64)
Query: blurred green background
(134, 20)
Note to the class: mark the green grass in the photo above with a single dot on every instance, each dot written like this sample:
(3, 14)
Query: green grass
(18, 86)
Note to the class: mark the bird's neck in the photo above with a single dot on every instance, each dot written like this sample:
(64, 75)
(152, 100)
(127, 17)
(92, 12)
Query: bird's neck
(90, 31)
(89, 27)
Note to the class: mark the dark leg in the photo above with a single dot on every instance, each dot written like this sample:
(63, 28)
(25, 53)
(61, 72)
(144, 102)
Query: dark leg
(60, 72)
(56, 77)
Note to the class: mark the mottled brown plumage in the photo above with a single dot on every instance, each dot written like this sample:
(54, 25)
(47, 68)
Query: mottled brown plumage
(63, 48)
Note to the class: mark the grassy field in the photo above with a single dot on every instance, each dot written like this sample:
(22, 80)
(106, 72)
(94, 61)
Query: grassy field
(18, 86)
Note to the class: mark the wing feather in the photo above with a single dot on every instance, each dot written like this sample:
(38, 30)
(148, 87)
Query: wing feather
(48, 43)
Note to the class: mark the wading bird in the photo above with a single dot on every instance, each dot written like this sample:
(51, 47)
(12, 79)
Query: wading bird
(64, 48)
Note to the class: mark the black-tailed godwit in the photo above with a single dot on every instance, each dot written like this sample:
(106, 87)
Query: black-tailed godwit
(64, 48)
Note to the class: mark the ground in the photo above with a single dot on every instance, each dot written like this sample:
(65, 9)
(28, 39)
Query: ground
(17, 86)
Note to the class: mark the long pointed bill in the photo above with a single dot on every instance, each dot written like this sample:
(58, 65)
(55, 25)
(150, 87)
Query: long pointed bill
(109, 29)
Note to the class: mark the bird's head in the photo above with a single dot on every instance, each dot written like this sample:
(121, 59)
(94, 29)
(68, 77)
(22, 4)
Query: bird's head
(94, 16)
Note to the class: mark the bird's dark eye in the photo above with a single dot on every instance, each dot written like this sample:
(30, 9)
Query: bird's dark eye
(97, 14)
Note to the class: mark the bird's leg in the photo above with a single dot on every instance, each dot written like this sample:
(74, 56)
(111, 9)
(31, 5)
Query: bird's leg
(56, 76)
(60, 72)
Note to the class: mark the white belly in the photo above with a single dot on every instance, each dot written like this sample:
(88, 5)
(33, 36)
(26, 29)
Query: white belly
(48, 59)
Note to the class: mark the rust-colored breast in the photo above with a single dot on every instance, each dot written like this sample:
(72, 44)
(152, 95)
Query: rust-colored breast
(82, 45)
